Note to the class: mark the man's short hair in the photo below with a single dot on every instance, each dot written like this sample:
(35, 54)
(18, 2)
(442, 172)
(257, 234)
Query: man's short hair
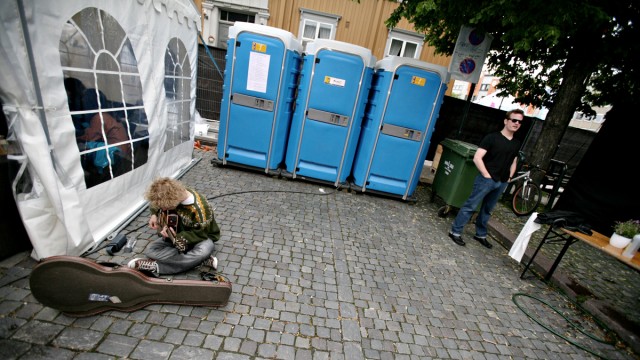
(514, 111)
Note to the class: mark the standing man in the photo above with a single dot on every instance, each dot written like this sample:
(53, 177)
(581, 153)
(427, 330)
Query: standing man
(184, 220)
(496, 160)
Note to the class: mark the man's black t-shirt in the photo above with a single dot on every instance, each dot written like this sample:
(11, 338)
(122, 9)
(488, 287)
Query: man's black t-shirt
(500, 154)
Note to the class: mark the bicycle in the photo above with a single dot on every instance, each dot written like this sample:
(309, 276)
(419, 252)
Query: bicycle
(527, 196)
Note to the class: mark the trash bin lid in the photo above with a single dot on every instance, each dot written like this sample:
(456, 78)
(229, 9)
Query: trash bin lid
(460, 147)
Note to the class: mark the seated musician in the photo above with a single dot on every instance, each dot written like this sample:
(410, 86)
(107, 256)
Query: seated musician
(184, 219)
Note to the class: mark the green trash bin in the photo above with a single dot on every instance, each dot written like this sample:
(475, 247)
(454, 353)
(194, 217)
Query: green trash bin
(455, 174)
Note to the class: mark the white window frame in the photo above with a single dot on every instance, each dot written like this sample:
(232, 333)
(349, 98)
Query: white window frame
(319, 18)
(211, 14)
(129, 85)
(177, 94)
(404, 37)
(222, 41)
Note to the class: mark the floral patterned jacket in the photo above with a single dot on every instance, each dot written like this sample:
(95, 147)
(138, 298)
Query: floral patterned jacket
(196, 221)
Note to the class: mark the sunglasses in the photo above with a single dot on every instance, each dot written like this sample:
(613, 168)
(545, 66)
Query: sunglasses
(517, 121)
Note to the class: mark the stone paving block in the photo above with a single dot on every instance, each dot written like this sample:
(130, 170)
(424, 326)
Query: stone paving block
(9, 306)
(78, 339)
(267, 350)
(120, 326)
(37, 332)
(302, 342)
(93, 356)
(172, 320)
(152, 350)
(9, 325)
(118, 345)
(175, 336)
(206, 327)
(139, 330)
(38, 352)
(212, 342)
(156, 332)
(47, 314)
(191, 353)
(13, 349)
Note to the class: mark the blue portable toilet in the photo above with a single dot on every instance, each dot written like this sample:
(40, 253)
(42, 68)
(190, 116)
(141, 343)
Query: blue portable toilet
(403, 108)
(260, 79)
(332, 93)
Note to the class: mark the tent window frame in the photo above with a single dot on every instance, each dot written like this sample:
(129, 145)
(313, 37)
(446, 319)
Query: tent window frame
(177, 84)
(107, 89)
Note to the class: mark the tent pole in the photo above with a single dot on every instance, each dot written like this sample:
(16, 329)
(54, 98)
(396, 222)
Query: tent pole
(34, 73)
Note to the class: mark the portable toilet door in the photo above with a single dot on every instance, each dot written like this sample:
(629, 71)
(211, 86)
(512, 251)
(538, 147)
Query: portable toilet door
(260, 79)
(403, 107)
(332, 95)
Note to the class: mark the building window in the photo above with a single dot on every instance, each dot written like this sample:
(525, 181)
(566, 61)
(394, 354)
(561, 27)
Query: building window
(404, 43)
(104, 95)
(177, 88)
(317, 25)
(227, 19)
(230, 16)
(484, 87)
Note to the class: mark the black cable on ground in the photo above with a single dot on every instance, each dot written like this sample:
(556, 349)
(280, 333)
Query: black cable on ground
(87, 253)
(571, 323)
(272, 191)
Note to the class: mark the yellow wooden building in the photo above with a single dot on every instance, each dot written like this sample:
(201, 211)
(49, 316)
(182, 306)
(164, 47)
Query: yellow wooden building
(357, 22)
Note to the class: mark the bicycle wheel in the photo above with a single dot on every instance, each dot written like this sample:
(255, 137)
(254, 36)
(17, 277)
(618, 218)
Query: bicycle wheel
(526, 199)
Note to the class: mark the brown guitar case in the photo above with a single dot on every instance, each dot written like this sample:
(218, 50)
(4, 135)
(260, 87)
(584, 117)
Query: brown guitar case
(82, 287)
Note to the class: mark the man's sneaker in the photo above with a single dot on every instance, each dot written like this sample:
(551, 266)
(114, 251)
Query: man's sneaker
(144, 265)
(211, 262)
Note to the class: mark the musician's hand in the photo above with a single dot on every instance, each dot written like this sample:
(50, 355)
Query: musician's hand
(165, 232)
(179, 242)
(172, 232)
(153, 222)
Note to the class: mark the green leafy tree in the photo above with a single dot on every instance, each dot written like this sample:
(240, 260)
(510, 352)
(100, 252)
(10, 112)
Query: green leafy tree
(561, 54)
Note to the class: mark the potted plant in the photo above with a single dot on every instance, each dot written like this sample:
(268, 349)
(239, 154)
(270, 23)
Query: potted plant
(623, 232)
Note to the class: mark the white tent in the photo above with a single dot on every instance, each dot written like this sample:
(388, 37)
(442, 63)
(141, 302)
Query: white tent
(99, 98)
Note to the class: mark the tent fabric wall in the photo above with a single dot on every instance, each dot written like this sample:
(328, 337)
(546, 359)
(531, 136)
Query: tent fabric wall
(62, 216)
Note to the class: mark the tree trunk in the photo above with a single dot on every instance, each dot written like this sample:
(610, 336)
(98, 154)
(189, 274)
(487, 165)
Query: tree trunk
(576, 72)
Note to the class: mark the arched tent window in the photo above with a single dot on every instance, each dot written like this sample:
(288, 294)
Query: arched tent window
(105, 95)
(177, 87)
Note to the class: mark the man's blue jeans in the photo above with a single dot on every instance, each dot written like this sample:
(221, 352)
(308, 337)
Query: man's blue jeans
(171, 261)
(485, 191)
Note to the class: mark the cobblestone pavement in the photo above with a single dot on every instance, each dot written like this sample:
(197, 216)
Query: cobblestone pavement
(317, 274)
